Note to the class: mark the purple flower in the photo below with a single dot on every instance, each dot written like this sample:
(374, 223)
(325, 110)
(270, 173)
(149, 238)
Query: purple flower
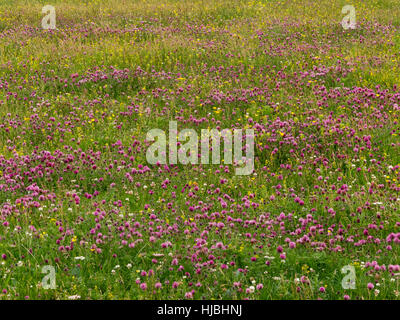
(158, 285)
(143, 286)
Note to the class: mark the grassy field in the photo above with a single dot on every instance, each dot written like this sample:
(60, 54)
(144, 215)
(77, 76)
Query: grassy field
(78, 195)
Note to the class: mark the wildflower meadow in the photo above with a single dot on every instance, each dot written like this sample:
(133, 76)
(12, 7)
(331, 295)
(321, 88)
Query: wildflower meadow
(217, 150)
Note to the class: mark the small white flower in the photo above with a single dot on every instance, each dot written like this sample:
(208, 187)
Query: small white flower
(268, 257)
(75, 297)
(80, 258)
